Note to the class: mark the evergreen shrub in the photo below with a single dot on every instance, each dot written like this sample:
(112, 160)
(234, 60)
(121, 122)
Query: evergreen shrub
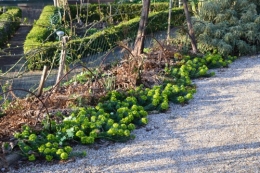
(230, 27)
(9, 22)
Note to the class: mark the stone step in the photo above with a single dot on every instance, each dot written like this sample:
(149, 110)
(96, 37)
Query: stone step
(14, 52)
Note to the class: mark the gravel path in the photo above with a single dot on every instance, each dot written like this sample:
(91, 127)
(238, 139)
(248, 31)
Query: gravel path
(219, 131)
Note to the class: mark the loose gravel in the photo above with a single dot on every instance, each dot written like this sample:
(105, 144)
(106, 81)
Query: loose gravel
(218, 131)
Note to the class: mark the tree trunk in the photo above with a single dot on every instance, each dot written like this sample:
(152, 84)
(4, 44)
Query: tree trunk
(55, 3)
(180, 3)
(169, 21)
(190, 28)
(139, 41)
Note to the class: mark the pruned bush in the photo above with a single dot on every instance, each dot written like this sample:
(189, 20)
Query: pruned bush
(9, 22)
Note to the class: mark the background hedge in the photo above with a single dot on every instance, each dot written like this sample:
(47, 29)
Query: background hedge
(9, 22)
(120, 12)
(44, 49)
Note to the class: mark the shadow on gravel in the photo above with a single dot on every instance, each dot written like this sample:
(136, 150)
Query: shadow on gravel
(199, 159)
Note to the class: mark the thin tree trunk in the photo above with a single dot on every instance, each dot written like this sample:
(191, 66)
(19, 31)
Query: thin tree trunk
(55, 3)
(169, 21)
(87, 13)
(190, 28)
(139, 41)
(180, 3)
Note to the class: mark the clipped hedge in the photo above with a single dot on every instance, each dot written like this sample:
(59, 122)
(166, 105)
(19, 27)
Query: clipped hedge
(40, 29)
(44, 52)
(9, 22)
(109, 37)
(120, 12)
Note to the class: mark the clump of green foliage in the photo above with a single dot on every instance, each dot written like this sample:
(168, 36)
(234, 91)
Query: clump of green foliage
(9, 22)
(118, 113)
(46, 145)
(230, 27)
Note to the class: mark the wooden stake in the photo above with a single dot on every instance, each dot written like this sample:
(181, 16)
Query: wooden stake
(62, 59)
(44, 73)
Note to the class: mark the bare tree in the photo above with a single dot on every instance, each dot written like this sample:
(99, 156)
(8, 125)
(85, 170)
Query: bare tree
(190, 28)
(139, 41)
